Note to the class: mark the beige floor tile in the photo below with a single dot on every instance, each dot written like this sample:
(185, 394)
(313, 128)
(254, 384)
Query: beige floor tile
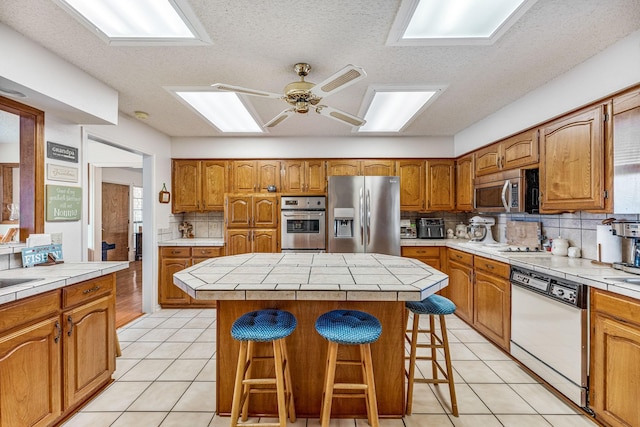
(183, 370)
(207, 312)
(487, 351)
(146, 322)
(430, 420)
(522, 420)
(475, 372)
(146, 370)
(475, 421)
(200, 396)
(454, 322)
(468, 336)
(384, 422)
(187, 419)
(132, 334)
(168, 350)
(139, 419)
(199, 350)
(165, 312)
(569, 421)
(501, 399)
(510, 371)
(157, 334)
(199, 322)
(93, 419)
(138, 350)
(160, 396)
(334, 422)
(185, 335)
(123, 366)
(425, 401)
(459, 351)
(209, 335)
(468, 400)
(300, 422)
(175, 322)
(219, 421)
(188, 312)
(208, 373)
(117, 397)
(542, 400)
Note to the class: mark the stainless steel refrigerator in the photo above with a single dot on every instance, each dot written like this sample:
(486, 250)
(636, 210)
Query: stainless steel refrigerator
(364, 214)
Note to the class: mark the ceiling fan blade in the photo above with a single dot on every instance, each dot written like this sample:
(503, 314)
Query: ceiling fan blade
(338, 81)
(280, 118)
(340, 116)
(246, 91)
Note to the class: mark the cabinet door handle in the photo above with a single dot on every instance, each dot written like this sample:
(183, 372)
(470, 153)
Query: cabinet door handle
(88, 291)
(58, 332)
(70, 322)
(490, 267)
(498, 162)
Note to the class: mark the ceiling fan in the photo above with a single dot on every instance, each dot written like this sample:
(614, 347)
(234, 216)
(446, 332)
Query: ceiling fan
(305, 96)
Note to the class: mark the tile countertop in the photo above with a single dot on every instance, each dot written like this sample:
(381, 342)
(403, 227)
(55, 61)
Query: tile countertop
(326, 277)
(206, 241)
(577, 269)
(53, 277)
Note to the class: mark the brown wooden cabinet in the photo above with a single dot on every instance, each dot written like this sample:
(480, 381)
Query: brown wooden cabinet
(173, 259)
(615, 351)
(56, 350)
(572, 159)
(440, 185)
(353, 167)
(513, 152)
(304, 176)
(465, 173)
(251, 224)
(492, 300)
(254, 176)
(430, 255)
(460, 288)
(198, 185)
(412, 184)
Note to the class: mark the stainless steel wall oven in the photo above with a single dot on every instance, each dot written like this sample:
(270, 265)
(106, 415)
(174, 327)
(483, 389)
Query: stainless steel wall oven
(303, 223)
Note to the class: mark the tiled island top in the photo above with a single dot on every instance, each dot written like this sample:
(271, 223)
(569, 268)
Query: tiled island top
(297, 276)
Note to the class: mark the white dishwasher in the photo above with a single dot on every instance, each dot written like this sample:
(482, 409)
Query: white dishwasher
(549, 330)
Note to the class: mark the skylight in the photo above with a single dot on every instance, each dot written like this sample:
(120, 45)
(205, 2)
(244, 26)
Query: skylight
(455, 21)
(139, 21)
(224, 110)
(392, 110)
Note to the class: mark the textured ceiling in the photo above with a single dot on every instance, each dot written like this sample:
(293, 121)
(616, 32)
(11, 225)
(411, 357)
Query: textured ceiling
(256, 43)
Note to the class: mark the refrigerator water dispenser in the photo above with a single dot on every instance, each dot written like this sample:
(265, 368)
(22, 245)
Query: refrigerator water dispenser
(343, 222)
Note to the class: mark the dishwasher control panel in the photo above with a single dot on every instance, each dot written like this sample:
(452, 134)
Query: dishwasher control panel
(565, 293)
(559, 289)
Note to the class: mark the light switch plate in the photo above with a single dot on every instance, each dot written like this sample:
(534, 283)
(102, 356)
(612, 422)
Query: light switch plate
(56, 238)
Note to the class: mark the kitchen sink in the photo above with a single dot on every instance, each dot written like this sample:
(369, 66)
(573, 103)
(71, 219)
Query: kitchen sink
(4, 283)
(630, 280)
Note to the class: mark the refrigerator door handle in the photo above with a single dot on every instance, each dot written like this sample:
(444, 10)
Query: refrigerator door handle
(368, 210)
(361, 195)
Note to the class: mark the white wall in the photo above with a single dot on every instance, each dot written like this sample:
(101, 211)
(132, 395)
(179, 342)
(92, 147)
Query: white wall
(336, 147)
(123, 176)
(614, 69)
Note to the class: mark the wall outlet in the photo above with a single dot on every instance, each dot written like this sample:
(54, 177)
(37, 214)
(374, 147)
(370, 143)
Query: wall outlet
(56, 238)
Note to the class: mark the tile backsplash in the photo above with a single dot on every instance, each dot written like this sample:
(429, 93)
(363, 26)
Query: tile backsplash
(205, 225)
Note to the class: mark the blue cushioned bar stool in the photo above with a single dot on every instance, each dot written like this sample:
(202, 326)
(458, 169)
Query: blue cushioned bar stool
(349, 327)
(434, 305)
(263, 326)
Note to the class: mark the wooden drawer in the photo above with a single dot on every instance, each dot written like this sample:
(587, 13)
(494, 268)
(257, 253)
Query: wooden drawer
(618, 306)
(206, 251)
(19, 313)
(175, 252)
(494, 267)
(461, 257)
(421, 251)
(87, 291)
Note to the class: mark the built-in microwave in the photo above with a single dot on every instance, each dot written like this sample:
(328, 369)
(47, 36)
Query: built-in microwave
(515, 190)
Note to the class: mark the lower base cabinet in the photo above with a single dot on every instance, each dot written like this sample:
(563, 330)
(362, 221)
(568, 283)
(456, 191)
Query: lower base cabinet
(57, 349)
(173, 259)
(430, 255)
(614, 390)
(244, 241)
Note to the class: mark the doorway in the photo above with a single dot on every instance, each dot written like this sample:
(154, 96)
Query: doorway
(115, 222)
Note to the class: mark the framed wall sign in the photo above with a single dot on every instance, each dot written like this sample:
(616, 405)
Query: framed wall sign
(63, 203)
(62, 173)
(164, 196)
(62, 152)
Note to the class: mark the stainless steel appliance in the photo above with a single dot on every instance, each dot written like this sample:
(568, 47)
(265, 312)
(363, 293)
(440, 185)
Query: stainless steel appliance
(480, 229)
(364, 214)
(430, 228)
(303, 223)
(408, 229)
(549, 332)
(630, 230)
(510, 191)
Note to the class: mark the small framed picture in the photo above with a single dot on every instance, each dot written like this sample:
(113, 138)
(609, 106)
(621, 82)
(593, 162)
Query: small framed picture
(164, 196)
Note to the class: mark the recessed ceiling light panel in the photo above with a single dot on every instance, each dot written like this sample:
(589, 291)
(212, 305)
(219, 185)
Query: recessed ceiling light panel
(437, 22)
(139, 21)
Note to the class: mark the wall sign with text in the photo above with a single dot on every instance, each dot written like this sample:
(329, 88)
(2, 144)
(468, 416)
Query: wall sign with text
(62, 152)
(62, 173)
(64, 203)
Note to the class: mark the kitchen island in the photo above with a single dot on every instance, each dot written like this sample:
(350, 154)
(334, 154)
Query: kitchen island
(309, 285)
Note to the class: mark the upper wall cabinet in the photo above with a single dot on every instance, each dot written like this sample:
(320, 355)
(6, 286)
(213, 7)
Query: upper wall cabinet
(572, 161)
(351, 167)
(198, 185)
(440, 185)
(412, 184)
(254, 176)
(464, 183)
(514, 152)
(304, 176)
(426, 185)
